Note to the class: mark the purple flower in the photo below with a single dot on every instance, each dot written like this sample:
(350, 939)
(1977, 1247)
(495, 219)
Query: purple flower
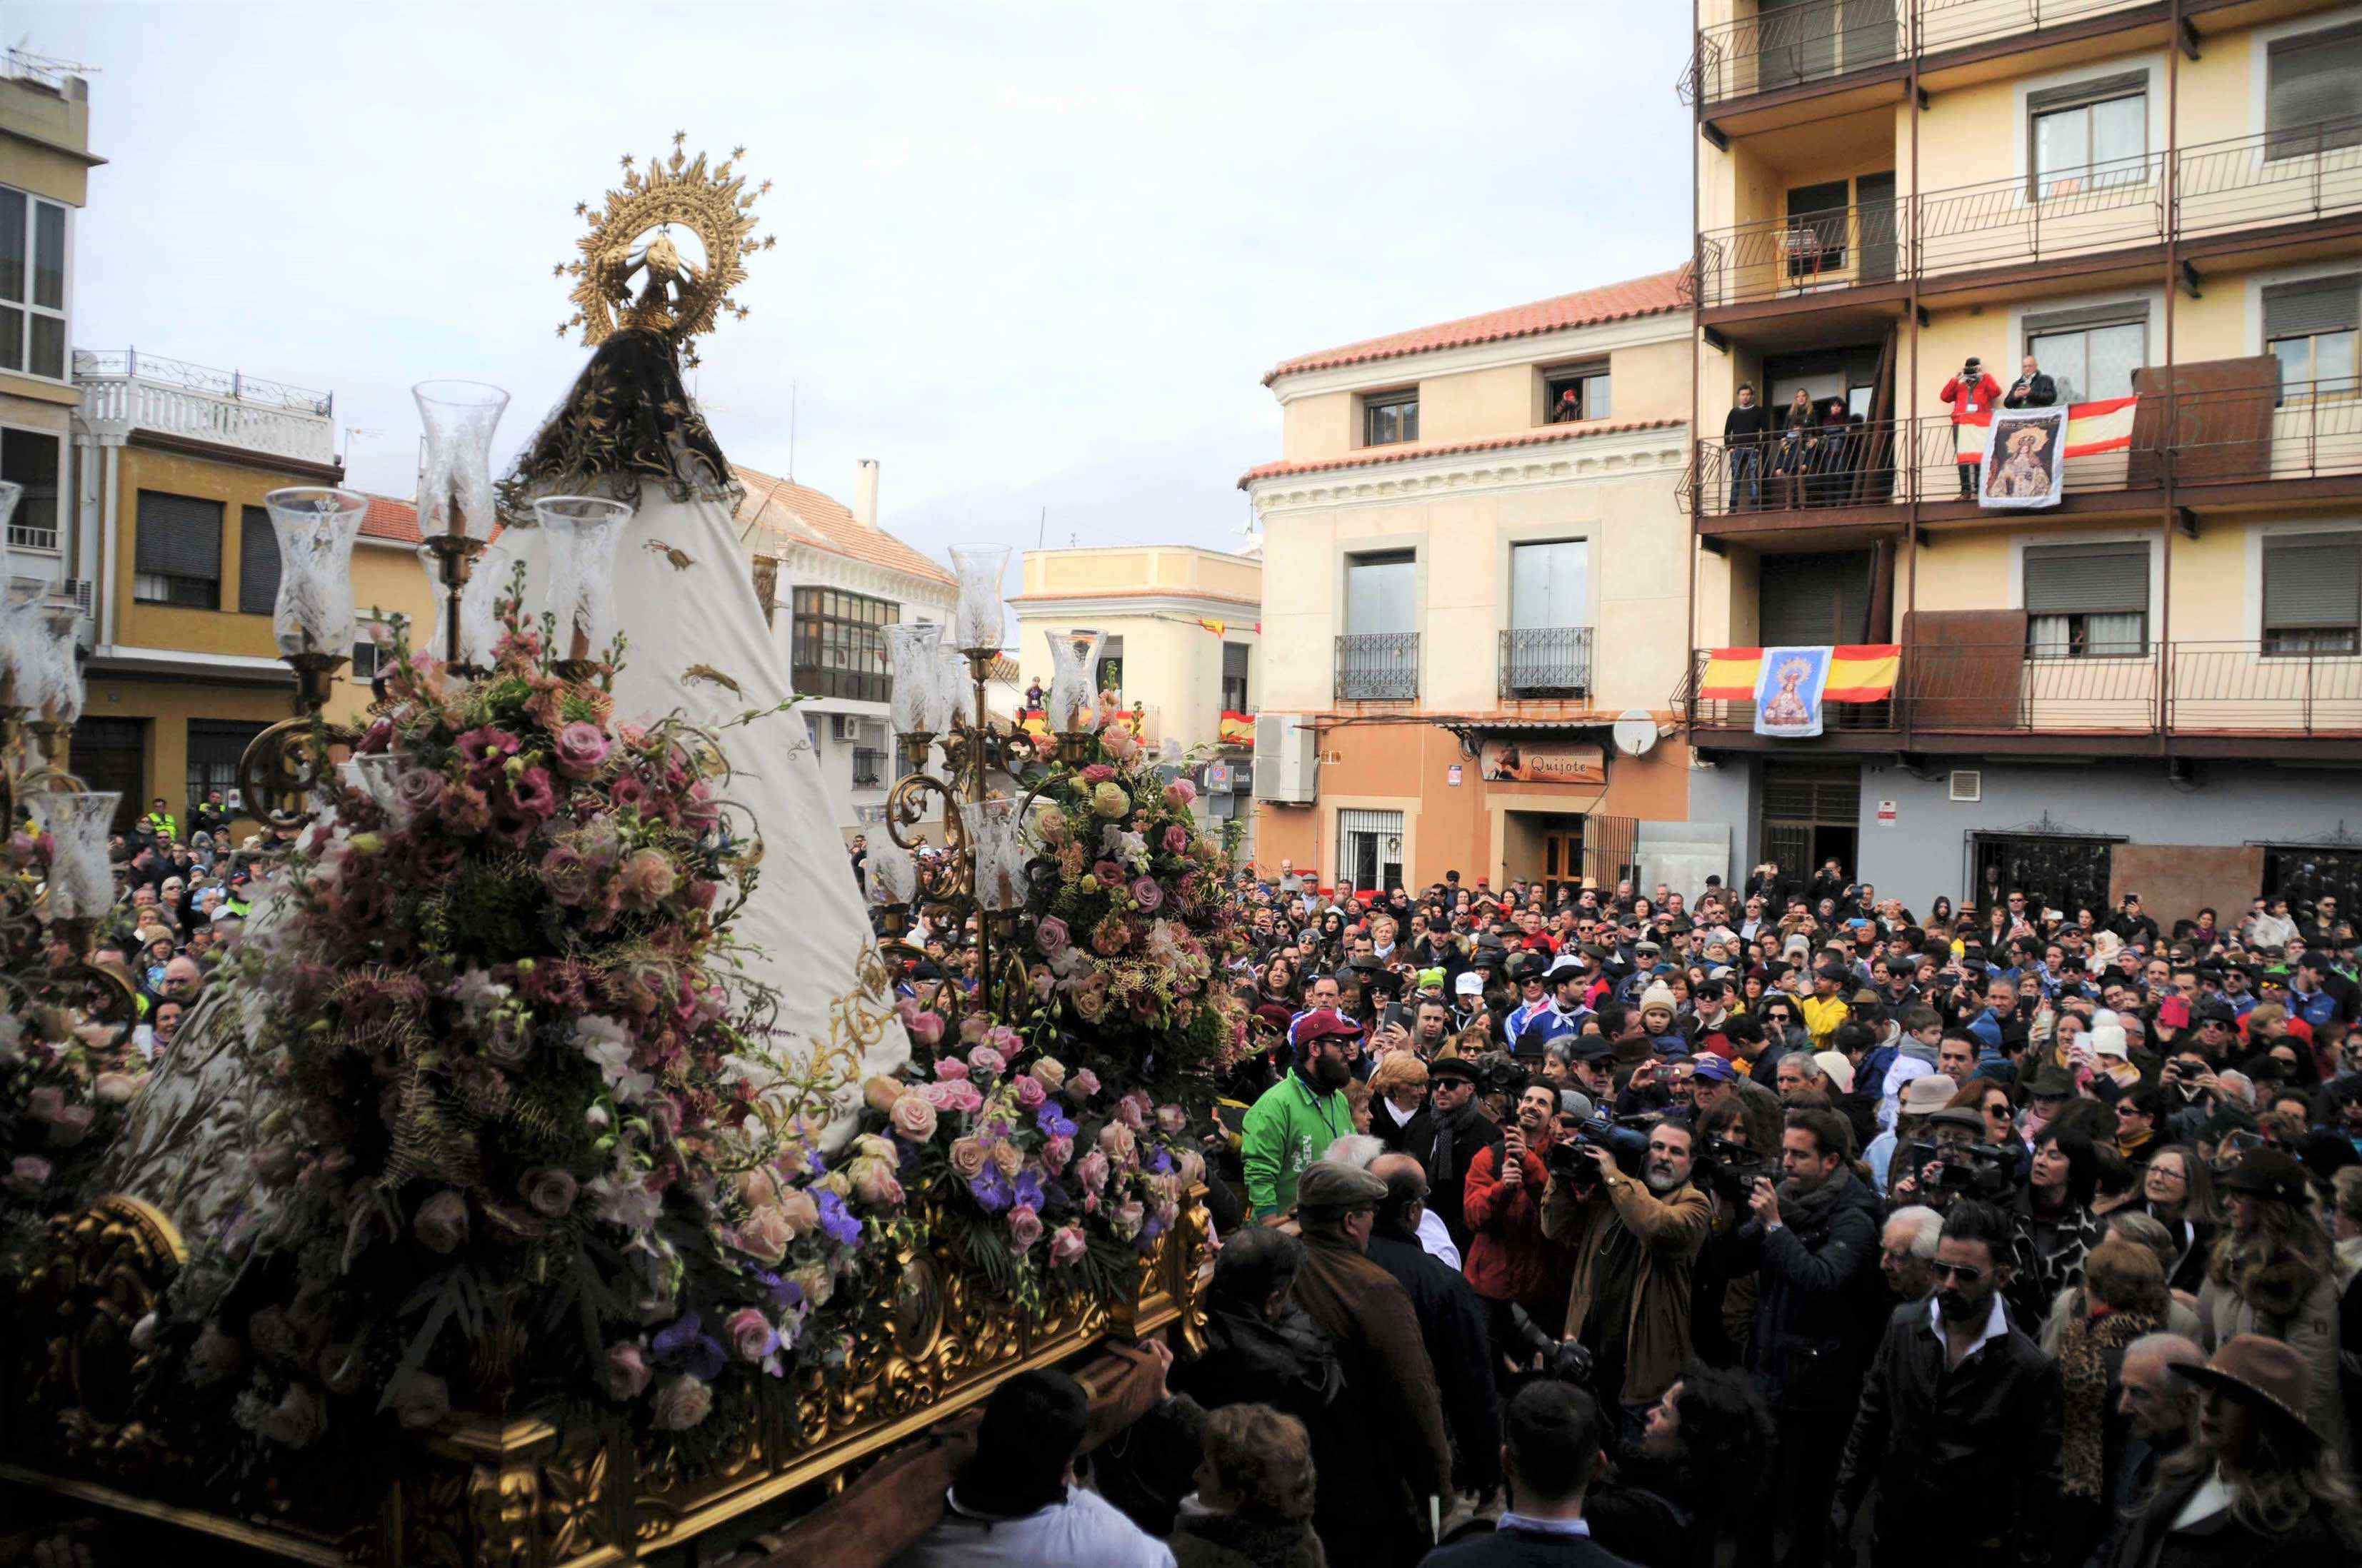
(837, 1222)
(1052, 1126)
(485, 749)
(1051, 935)
(1147, 893)
(533, 793)
(991, 1189)
(684, 1347)
(1028, 1188)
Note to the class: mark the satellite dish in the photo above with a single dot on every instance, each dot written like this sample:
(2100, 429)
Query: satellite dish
(1636, 732)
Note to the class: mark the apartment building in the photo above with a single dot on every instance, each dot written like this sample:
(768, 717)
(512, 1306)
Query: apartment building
(1180, 646)
(45, 164)
(1474, 566)
(178, 567)
(2155, 684)
(832, 581)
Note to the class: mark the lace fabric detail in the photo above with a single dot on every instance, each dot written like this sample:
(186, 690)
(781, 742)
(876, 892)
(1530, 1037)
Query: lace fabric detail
(627, 421)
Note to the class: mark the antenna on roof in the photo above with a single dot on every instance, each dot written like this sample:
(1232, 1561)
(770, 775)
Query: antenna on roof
(1043, 529)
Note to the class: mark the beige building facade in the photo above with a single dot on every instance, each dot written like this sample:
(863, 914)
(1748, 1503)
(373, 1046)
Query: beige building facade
(1474, 566)
(2154, 683)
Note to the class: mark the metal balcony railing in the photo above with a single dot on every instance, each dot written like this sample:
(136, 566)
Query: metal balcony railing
(1825, 39)
(2200, 687)
(1545, 661)
(2288, 176)
(868, 767)
(2302, 430)
(1377, 666)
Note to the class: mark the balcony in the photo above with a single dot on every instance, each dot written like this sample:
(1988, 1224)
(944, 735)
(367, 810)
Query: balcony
(1829, 56)
(2231, 700)
(2245, 195)
(2225, 446)
(1377, 666)
(126, 391)
(1545, 664)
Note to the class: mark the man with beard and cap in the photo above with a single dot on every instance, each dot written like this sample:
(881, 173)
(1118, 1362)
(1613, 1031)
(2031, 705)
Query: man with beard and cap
(1633, 1244)
(1960, 1417)
(1461, 1131)
(1368, 1316)
(1303, 1113)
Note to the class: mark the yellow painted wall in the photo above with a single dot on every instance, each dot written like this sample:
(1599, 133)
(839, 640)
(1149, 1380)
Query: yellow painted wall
(167, 706)
(35, 122)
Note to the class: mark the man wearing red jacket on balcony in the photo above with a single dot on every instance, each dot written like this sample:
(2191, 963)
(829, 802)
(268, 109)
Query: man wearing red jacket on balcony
(1510, 1261)
(1972, 394)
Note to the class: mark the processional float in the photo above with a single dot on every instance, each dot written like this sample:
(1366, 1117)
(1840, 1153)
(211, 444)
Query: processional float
(558, 1172)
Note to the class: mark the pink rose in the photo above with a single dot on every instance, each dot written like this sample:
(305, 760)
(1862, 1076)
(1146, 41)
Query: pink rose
(764, 1236)
(1179, 793)
(1067, 1244)
(1050, 1071)
(1008, 1158)
(913, 1118)
(968, 1157)
(1098, 773)
(1129, 1217)
(625, 1372)
(702, 809)
(1093, 1171)
(568, 876)
(441, 1224)
(749, 1335)
(1190, 1166)
(684, 1403)
(873, 1183)
(578, 750)
(1029, 1093)
(1147, 894)
(1050, 935)
(951, 1067)
(1171, 1120)
(966, 1097)
(801, 1211)
(985, 1059)
(1119, 1141)
(72, 1124)
(1133, 1111)
(28, 1174)
(549, 1192)
(1056, 1152)
(926, 1028)
(415, 790)
(1025, 1227)
(1085, 1083)
(943, 1097)
(1177, 839)
(648, 878)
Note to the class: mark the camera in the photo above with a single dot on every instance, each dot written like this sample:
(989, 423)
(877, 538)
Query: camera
(1733, 1168)
(1624, 1137)
(1563, 1359)
(1983, 1171)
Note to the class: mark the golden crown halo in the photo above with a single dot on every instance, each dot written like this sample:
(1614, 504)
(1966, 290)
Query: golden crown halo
(630, 274)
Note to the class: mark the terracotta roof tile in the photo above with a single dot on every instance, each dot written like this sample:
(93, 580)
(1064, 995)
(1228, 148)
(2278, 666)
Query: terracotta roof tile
(1586, 307)
(1407, 454)
(790, 511)
(393, 520)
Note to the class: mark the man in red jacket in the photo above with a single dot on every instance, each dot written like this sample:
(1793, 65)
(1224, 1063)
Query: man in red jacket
(1510, 1261)
(1972, 394)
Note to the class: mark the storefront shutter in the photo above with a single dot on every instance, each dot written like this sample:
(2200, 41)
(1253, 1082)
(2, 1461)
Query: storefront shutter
(2086, 579)
(2312, 580)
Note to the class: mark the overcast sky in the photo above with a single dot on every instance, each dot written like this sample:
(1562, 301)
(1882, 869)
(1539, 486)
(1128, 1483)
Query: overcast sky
(1028, 256)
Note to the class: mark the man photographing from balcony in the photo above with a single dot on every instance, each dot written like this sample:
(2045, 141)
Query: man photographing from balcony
(1972, 394)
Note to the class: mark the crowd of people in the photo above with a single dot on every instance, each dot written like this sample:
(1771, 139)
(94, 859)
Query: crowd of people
(1779, 1224)
(181, 899)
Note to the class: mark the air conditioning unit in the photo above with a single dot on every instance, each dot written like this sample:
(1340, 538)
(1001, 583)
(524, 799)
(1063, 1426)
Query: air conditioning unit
(1287, 760)
(844, 727)
(1968, 785)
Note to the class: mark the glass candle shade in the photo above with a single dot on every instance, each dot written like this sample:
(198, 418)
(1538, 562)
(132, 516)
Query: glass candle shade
(22, 629)
(1073, 699)
(317, 528)
(977, 622)
(954, 690)
(583, 535)
(82, 883)
(454, 482)
(995, 837)
(890, 873)
(910, 645)
(57, 683)
(10, 494)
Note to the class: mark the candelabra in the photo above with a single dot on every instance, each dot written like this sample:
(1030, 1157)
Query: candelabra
(313, 623)
(940, 695)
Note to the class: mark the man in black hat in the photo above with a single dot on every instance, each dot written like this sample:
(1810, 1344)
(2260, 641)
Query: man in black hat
(1014, 1500)
(1460, 1130)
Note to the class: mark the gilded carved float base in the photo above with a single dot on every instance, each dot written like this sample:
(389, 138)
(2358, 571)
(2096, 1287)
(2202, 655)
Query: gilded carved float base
(520, 1493)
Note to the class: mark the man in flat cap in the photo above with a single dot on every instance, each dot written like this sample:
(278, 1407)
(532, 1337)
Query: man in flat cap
(1368, 1316)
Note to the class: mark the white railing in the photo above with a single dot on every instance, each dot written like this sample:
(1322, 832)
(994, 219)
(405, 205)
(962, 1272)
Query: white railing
(117, 400)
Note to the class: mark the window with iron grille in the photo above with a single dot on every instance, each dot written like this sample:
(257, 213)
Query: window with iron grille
(29, 457)
(32, 285)
(1576, 391)
(257, 562)
(868, 767)
(1370, 848)
(2309, 328)
(839, 644)
(2087, 601)
(1235, 677)
(1389, 416)
(177, 559)
(2313, 593)
(214, 747)
(2312, 93)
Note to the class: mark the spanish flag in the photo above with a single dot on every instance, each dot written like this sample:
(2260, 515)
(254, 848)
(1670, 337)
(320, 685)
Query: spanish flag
(1216, 627)
(1237, 728)
(1858, 671)
(2091, 429)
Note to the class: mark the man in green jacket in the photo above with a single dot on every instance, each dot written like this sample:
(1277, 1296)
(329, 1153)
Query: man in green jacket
(1296, 1120)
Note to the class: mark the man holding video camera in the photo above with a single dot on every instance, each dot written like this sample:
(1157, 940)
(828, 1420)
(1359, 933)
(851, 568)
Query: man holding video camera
(1634, 1236)
(1972, 394)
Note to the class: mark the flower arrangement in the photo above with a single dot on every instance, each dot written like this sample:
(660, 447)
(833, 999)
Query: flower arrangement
(1051, 1174)
(535, 1118)
(64, 1077)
